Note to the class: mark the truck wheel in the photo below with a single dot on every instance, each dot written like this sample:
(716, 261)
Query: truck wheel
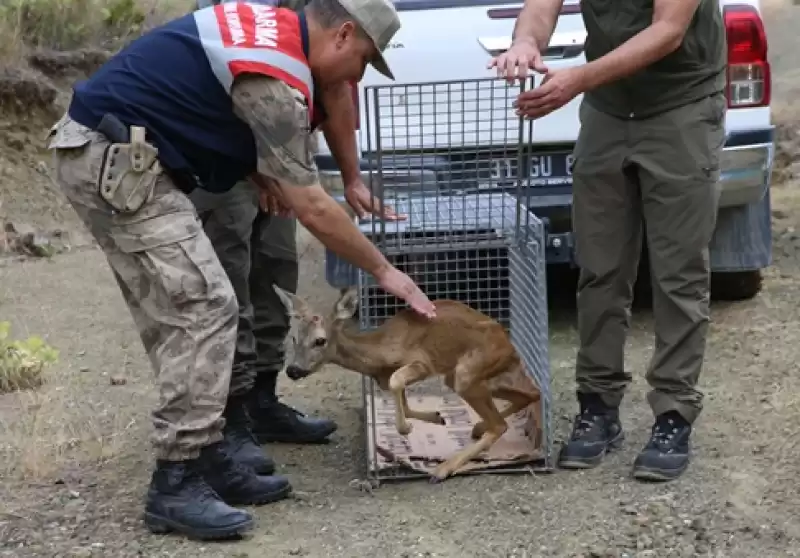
(736, 285)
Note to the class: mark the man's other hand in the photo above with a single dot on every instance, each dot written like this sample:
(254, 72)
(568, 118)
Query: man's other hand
(517, 61)
(363, 202)
(269, 199)
(557, 89)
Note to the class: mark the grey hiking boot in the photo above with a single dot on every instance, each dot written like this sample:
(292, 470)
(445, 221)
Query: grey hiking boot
(666, 455)
(596, 431)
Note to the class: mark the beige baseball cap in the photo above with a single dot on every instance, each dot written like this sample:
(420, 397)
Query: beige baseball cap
(379, 20)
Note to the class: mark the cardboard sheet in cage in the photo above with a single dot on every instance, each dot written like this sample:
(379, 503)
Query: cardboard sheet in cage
(429, 444)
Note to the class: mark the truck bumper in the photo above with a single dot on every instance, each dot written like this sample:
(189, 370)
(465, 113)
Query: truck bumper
(746, 168)
(745, 175)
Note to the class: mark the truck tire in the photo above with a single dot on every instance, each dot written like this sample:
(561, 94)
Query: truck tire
(736, 285)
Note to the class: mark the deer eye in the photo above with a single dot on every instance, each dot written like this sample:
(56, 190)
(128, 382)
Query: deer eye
(320, 342)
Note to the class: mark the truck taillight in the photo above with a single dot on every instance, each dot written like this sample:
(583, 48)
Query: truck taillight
(749, 79)
(354, 87)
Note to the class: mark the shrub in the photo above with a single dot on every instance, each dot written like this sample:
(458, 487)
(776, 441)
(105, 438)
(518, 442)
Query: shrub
(73, 24)
(22, 363)
(68, 24)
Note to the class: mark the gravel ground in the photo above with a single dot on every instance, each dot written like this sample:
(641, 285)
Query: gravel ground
(74, 457)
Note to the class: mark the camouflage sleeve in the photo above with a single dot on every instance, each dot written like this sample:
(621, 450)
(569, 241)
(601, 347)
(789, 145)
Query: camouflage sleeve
(278, 116)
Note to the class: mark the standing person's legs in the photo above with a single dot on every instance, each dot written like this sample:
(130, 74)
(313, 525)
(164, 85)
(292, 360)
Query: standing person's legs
(274, 252)
(678, 154)
(184, 307)
(228, 221)
(607, 224)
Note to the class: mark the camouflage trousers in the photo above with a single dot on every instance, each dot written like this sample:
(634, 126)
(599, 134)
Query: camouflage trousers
(178, 293)
(257, 251)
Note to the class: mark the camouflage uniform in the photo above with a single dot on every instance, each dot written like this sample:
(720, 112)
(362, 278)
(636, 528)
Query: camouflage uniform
(185, 309)
(181, 300)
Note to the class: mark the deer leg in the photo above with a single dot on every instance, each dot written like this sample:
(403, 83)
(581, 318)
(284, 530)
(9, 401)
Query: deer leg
(434, 417)
(517, 399)
(480, 399)
(403, 377)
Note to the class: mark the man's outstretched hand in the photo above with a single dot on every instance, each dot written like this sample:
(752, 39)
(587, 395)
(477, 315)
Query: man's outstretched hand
(363, 203)
(400, 285)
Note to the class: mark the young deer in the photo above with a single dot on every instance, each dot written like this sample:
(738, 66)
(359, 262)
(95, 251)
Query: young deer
(471, 350)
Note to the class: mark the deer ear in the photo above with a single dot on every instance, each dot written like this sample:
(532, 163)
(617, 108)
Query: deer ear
(292, 302)
(347, 304)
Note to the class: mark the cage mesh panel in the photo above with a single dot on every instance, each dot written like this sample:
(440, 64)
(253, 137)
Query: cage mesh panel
(457, 256)
(529, 318)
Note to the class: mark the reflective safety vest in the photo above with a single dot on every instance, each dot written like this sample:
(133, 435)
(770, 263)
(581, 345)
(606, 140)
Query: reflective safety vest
(254, 38)
(176, 80)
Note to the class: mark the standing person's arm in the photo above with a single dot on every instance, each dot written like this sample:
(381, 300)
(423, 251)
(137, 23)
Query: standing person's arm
(339, 130)
(671, 19)
(278, 117)
(536, 22)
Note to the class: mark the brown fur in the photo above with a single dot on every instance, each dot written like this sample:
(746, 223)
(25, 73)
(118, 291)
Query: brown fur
(471, 351)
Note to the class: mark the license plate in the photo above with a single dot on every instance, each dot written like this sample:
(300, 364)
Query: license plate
(544, 169)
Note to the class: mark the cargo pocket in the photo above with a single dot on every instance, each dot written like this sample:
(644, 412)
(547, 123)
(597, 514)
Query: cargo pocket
(713, 122)
(176, 262)
(692, 140)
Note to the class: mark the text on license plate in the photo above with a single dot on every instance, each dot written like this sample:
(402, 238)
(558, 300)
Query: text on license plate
(547, 169)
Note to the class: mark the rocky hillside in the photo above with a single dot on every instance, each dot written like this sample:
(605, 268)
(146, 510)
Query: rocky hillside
(46, 46)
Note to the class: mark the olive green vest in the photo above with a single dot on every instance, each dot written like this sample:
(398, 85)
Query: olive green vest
(693, 71)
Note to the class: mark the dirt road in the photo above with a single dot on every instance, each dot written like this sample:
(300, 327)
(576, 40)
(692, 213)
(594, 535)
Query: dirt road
(74, 458)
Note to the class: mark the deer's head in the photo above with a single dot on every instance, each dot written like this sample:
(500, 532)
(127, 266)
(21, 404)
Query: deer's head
(310, 335)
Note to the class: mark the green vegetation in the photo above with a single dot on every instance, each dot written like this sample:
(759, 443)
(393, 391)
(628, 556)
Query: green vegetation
(22, 363)
(74, 24)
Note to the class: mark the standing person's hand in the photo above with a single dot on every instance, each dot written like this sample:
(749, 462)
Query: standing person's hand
(400, 285)
(270, 202)
(517, 61)
(363, 202)
(557, 89)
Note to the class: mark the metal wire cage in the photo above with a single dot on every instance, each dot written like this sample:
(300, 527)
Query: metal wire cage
(453, 157)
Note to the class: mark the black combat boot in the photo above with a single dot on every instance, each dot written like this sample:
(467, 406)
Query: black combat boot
(666, 455)
(238, 484)
(241, 443)
(275, 422)
(180, 500)
(596, 431)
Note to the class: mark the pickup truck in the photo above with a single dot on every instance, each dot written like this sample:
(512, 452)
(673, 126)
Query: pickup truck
(427, 49)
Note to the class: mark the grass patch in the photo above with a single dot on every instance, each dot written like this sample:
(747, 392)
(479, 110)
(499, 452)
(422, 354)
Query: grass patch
(22, 363)
(74, 24)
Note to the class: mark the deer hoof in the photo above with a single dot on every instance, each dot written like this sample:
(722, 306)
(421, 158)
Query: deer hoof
(478, 430)
(439, 474)
(404, 429)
